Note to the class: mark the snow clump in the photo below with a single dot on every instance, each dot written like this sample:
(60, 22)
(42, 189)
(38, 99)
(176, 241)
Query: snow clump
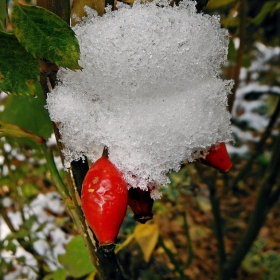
(149, 90)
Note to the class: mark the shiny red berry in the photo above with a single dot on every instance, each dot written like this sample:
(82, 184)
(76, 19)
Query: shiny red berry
(104, 200)
(218, 158)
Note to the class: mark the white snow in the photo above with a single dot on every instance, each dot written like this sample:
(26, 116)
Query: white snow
(241, 151)
(244, 135)
(246, 111)
(49, 249)
(149, 90)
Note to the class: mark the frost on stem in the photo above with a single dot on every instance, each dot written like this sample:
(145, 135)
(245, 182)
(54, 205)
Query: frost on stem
(149, 90)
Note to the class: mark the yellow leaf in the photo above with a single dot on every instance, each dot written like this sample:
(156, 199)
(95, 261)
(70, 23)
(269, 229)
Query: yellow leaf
(78, 8)
(203, 203)
(126, 242)
(170, 245)
(92, 275)
(147, 237)
(12, 130)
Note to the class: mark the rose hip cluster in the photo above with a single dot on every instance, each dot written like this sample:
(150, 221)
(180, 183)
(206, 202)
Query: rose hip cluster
(105, 195)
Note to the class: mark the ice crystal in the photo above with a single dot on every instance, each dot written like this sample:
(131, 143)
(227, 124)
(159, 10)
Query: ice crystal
(149, 90)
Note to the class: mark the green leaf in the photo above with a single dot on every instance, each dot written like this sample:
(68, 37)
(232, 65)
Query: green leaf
(18, 234)
(18, 69)
(45, 35)
(29, 223)
(29, 113)
(11, 247)
(29, 190)
(59, 274)
(231, 51)
(76, 260)
(230, 22)
(267, 9)
(216, 4)
(3, 14)
(246, 61)
(21, 259)
(254, 259)
(5, 180)
(40, 227)
(271, 264)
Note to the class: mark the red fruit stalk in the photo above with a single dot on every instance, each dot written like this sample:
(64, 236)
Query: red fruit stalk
(104, 200)
(141, 204)
(218, 158)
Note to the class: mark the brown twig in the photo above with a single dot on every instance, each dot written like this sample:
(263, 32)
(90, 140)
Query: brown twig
(240, 52)
(216, 211)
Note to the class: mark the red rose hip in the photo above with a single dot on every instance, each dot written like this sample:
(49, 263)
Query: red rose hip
(141, 204)
(104, 200)
(218, 158)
